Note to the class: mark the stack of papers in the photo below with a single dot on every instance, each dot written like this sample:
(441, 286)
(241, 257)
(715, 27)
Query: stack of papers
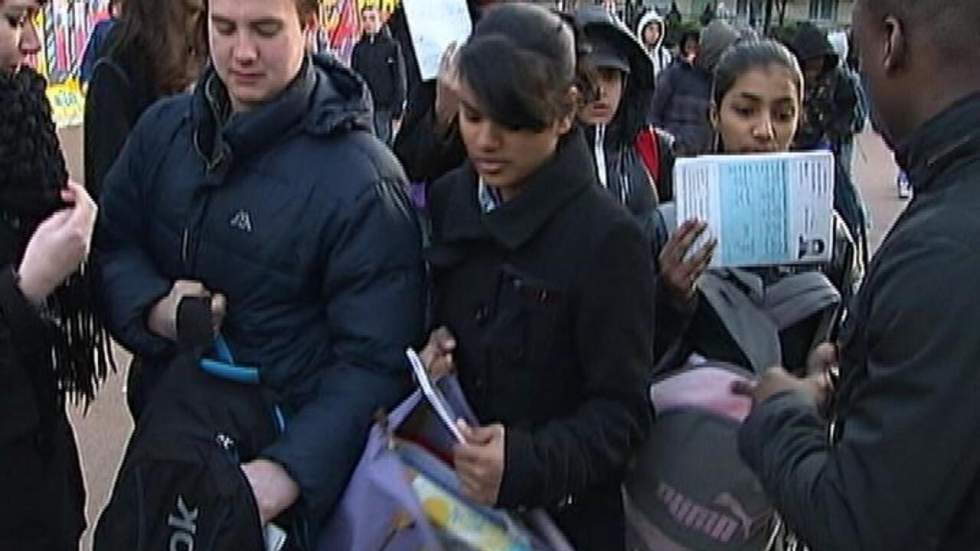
(764, 210)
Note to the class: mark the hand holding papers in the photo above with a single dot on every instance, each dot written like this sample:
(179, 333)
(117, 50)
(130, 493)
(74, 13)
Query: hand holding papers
(763, 210)
(434, 396)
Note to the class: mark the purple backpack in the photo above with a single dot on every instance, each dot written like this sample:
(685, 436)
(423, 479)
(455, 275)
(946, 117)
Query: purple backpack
(381, 509)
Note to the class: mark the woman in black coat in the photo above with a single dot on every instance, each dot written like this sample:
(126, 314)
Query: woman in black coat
(49, 343)
(544, 285)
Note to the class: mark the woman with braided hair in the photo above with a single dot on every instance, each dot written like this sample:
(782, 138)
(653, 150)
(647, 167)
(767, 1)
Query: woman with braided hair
(50, 344)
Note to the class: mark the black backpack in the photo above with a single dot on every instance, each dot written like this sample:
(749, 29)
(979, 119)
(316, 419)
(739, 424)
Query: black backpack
(180, 486)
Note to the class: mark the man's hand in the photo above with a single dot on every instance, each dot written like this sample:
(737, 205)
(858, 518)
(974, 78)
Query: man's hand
(480, 462)
(58, 246)
(678, 273)
(815, 389)
(163, 317)
(437, 356)
(823, 360)
(273, 488)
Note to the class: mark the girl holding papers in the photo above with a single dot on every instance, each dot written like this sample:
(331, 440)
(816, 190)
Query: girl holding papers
(757, 106)
(544, 285)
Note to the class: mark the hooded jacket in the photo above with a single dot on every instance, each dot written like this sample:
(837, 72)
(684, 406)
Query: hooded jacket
(812, 43)
(682, 100)
(296, 213)
(619, 164)
(659, 54)
(831, 102)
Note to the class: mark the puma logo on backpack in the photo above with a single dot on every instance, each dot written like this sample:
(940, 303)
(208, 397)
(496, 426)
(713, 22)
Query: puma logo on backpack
(687, 488)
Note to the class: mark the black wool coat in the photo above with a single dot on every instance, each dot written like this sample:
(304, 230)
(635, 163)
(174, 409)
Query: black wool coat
(550, 297)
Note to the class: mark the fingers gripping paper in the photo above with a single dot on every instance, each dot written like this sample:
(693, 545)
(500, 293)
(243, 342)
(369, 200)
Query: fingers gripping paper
(764, 210)
(434, 25)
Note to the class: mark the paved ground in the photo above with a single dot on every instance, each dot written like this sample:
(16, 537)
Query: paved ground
(104, 429)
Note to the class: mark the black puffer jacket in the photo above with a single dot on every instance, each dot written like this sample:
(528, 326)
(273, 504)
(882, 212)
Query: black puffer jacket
(296, 213)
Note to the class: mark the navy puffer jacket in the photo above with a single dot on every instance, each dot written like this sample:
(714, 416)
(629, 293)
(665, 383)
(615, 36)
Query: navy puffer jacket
(297, 214)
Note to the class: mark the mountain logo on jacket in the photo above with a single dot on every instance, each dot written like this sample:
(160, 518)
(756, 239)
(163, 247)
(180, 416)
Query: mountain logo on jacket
(242, 221)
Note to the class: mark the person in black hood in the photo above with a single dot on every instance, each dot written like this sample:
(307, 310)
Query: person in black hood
(831, 97)
(633, 161)
(266, 192)
(892, 461)
(546, 284)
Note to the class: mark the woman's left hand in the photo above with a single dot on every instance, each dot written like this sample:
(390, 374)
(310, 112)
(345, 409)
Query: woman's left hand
(480, 462)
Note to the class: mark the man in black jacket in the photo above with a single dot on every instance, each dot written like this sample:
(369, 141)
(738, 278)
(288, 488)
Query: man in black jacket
(265, 191)
(901, 469)
(378, 58)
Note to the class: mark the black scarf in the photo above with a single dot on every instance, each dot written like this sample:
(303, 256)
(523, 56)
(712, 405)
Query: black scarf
(32, 175)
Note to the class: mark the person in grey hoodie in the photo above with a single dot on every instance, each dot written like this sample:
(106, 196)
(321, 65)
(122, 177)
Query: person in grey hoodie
(651, 31)
(683, 94)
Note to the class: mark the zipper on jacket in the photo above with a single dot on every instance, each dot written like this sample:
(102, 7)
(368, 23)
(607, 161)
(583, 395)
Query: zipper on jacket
(183, 246)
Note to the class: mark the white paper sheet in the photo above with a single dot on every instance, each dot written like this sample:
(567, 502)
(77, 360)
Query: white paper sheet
(764, 210)
(434, 25)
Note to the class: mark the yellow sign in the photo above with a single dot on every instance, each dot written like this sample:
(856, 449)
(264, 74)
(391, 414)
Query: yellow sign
(67, 103)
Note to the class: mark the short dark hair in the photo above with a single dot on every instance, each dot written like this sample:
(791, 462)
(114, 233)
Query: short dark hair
(949, 25)
(520, 62)
(748, 55)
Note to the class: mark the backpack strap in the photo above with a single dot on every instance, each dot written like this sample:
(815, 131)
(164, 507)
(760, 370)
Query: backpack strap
(741, 310)
(799, 296)
(755, 314)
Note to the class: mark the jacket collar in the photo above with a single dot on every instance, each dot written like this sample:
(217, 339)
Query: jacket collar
(220, 136)
(951, 136)
(514, 223)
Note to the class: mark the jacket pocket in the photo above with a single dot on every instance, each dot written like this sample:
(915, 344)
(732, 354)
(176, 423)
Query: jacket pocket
(531, 311)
